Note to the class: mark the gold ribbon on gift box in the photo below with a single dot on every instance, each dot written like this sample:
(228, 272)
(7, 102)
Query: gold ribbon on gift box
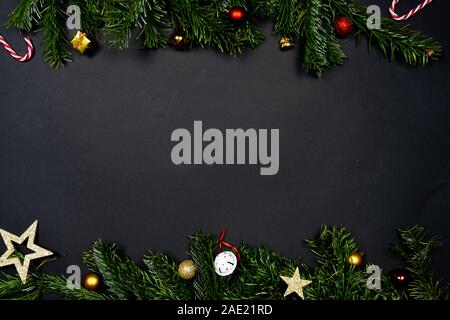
(80, 42)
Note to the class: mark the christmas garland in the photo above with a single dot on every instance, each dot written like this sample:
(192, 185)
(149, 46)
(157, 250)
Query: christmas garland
(227, 25)
(217, 270)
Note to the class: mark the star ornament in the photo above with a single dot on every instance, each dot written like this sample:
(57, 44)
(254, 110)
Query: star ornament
(38, 252)
(295, 284)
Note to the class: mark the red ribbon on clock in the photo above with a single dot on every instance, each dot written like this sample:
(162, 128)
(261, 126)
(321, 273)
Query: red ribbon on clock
(223, 243)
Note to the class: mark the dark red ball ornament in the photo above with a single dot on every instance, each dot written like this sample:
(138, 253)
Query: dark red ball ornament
(237, 14)
(399, 277)
(343, 26)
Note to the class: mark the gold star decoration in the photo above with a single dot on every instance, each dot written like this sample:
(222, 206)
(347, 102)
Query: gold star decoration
(295, 284)
(38, 252)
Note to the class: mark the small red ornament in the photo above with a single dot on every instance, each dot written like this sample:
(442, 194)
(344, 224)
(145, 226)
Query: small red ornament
(399, 277)
(236, 14)
(343, 26)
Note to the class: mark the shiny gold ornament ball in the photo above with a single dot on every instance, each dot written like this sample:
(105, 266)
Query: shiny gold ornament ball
(187, 269)
(92, 281)
(355, 259)
(286, 43)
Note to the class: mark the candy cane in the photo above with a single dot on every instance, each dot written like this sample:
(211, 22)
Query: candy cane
(13, 54)
(408, 15)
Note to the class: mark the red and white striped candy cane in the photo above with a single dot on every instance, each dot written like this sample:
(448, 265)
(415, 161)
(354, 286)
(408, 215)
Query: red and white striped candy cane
(408, 15)
(13, 54)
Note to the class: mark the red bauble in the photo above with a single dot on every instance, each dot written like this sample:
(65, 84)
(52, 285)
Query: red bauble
(343, 26)
(236, 14)
(399, 277)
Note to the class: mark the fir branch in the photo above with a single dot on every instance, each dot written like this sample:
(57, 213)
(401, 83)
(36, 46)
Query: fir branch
(209, 25)
(91, 15)
(332, 247)
(123, 277)
(56, 44)
(393, 38)
(389, 291)
(335, 55)
(151, 24)
(11, 287)
(121, 16)
(26, 15)
(333, 278)
(50, 283)
(321, 47)
(167, 284)
(415, 248)
(316, 39)
(284, 24)
(89, 261)
(259, 274)
(248, 34)
(262, 9)
(222, 34)
(207, 284)
(192, 19)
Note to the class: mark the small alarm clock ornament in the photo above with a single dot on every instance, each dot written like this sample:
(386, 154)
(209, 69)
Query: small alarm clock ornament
(226, 262)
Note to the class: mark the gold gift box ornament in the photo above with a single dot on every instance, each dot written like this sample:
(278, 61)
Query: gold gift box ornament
(80, 42)
(286, 43)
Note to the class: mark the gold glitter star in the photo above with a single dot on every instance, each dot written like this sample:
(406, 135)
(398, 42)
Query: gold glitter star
(38, 252)
(295, 284)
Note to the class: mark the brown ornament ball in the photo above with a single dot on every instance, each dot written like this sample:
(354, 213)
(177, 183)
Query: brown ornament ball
(187, 269)
(343, 26)
(355, 259)
(179, 41)
(92, 281)
(399, 277)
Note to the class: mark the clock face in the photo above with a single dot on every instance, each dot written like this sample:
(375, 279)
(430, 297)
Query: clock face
(225, 263)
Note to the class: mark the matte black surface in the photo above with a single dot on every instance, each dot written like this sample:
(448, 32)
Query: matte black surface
(86, 150)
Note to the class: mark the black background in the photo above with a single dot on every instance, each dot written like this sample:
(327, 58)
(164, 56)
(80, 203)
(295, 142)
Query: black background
(86, 149)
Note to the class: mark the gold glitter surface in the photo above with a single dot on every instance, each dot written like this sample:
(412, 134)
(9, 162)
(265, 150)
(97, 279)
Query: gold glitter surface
(22, 267)
(295, 284)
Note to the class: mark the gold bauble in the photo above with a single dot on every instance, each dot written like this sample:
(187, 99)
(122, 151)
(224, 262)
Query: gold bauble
(286, 43)
(92, 281)
(355, 259)
(187, 269)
